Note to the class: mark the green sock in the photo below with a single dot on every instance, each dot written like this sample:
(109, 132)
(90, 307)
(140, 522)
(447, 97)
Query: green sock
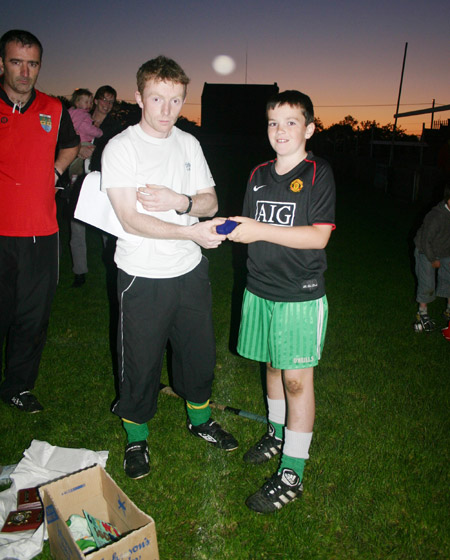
(135, 432)
(294, 463)
(279, 429)
(198, 413)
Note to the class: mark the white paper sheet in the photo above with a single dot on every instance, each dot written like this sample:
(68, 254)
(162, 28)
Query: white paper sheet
(41, 463)
(94, 208)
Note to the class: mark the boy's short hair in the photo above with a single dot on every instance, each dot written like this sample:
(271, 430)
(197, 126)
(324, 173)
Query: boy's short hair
(447, 192)
(293, 98)
(161, 69)
(79, 92)
(105, 89)
(19, 36)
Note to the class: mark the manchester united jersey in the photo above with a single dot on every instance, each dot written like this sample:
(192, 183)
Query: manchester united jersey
(304, 196)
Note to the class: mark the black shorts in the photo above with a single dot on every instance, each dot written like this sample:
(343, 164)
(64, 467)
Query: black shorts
(153, 312)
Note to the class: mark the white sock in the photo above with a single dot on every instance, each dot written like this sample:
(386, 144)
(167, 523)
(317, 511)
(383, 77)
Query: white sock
(277, 411)
(296, 444)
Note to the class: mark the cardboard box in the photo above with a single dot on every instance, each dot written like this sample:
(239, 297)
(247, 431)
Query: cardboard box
(95, 491)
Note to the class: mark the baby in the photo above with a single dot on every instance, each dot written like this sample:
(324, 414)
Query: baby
(82, 101)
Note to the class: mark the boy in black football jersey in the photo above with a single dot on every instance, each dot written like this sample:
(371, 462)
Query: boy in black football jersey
(287, 221)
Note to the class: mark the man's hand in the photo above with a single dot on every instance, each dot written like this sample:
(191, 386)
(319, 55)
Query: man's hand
(205, 235)
(436, 264)
(156, 198)
(64, 159)
(123, 201)
(86, 151)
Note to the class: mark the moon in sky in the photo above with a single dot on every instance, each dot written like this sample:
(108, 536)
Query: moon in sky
(223, 64)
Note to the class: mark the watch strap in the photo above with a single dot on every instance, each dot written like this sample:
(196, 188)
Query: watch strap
(189, 208)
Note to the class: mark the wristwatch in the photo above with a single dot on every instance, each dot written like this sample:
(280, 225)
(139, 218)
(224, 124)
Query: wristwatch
(189, 208)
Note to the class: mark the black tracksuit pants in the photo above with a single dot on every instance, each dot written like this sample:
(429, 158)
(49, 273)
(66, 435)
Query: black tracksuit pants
(28, 279)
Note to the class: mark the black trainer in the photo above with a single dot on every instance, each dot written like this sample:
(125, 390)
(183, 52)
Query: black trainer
(266, 448)
(424, 323)
(137, 460)
(213, 433)
(79, 280)
(282, 488)
(27, 402)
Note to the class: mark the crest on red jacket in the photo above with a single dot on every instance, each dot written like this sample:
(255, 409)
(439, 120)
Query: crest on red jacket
(46, 122)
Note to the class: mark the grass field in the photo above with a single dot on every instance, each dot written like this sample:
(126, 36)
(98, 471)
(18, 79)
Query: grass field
(377, 484)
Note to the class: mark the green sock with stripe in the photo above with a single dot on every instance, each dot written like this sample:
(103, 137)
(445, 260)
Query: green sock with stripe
(198, 413)
(135, 432)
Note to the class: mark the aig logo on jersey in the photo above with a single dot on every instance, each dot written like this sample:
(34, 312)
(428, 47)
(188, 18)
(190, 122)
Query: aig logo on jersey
(275, 213)
(46, 122)
(296, 185)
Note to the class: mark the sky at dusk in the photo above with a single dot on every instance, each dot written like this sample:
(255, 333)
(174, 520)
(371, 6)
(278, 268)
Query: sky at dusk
(347, 55)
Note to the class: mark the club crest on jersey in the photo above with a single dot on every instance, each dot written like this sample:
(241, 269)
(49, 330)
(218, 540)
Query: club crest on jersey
(296, 185)
(46, 122)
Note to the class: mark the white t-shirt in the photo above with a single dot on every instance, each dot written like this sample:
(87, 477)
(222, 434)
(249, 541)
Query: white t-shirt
(134, 159)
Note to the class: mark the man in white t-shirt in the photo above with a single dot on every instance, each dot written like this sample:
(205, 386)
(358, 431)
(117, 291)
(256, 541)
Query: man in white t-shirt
(159, 184)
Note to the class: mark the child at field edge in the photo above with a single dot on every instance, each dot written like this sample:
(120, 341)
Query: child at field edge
(432, 253)
(287, 220)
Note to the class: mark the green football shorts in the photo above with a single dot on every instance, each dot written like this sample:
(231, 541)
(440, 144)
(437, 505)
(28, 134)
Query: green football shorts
(288, 335)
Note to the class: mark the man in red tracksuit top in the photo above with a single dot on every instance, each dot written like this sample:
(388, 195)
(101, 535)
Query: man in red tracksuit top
(33, 128)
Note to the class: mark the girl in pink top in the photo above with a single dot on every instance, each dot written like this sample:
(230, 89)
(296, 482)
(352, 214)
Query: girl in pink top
(82, 101)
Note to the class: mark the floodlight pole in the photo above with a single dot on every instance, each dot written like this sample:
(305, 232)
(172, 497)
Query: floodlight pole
(391, 158)
(246, 62)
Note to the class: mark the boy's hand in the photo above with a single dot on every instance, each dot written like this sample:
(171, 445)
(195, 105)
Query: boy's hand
(156, 198)
(296, 237)
(247, 230)
(436, 264)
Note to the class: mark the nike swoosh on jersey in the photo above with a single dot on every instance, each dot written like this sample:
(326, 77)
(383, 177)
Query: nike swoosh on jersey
(255, 188)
